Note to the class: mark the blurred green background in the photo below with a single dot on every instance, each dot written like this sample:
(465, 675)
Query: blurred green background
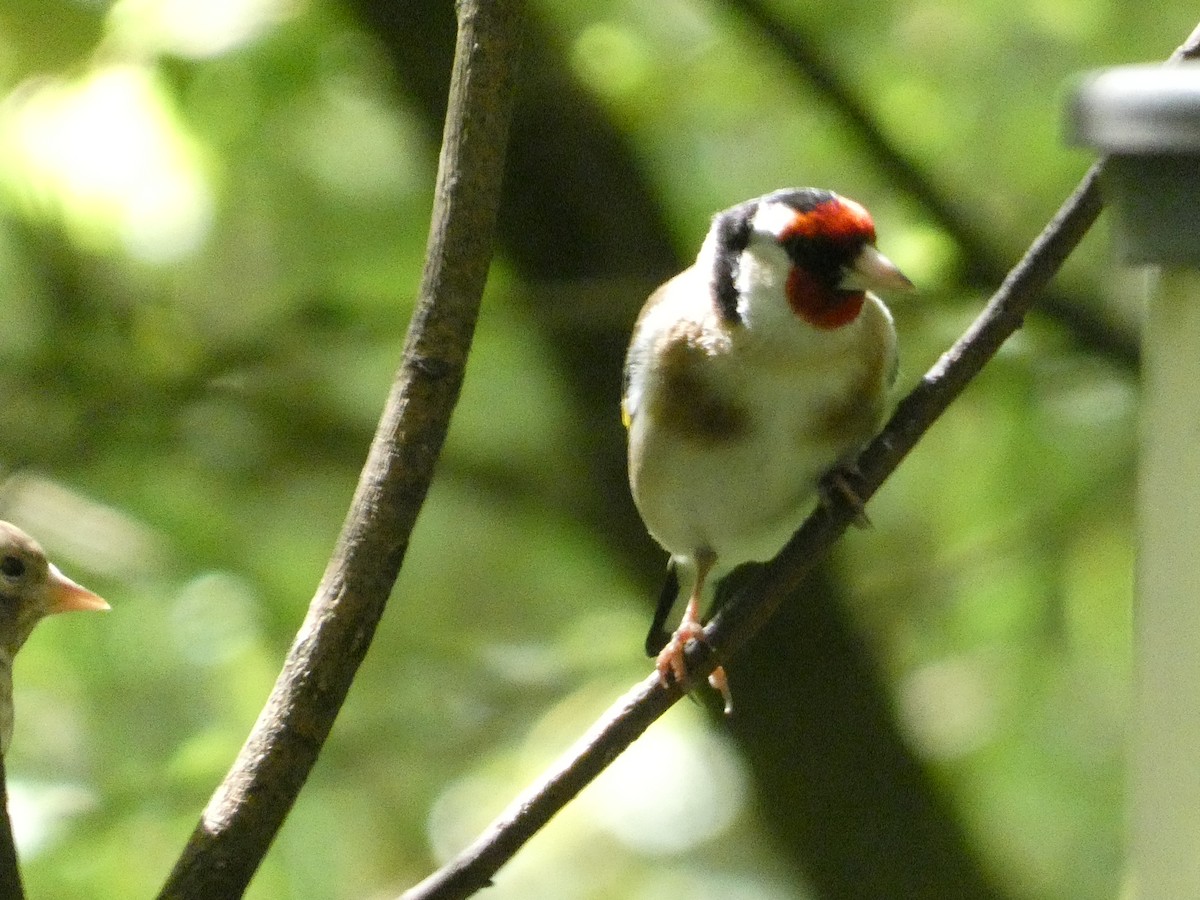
(212, 222)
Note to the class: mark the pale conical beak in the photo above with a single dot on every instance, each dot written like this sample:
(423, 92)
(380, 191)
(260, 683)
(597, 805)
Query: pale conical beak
(67, 596)
(872, 271)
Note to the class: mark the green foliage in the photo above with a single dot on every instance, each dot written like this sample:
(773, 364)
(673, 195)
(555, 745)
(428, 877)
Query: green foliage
(211, 229)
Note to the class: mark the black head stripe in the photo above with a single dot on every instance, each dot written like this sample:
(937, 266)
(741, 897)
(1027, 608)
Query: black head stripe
(824, 260)
(733, 236)
(800, 199)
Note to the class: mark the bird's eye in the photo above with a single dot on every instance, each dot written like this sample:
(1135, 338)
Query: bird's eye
(12, 566)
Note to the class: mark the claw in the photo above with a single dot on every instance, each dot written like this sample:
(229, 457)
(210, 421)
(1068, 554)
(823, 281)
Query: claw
(838, 482)
(720, 682)
(670, 662)
(672, 666)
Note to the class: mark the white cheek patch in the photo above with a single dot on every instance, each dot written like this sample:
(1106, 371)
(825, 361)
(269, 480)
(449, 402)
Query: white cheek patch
(761, 276)
(762, 267)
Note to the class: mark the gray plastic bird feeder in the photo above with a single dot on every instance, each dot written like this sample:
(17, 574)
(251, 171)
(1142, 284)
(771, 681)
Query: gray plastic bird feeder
(1147, 120)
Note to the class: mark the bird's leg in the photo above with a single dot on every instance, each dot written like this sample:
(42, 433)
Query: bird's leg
(670, 662)
(838, 481)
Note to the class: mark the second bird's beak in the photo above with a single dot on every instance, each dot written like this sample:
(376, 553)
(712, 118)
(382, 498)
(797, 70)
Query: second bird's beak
(67, 596)
(872, 271)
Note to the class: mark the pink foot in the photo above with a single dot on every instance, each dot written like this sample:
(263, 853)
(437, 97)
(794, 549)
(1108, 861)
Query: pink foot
(672, 666)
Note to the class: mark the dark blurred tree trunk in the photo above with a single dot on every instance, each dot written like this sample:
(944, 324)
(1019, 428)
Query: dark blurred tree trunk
(841, 790)
(846, 798)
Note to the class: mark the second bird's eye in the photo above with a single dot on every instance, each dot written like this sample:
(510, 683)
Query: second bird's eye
(12, 566)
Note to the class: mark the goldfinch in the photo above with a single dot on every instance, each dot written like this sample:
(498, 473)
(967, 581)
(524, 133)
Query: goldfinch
(31, 588)
(752, 375)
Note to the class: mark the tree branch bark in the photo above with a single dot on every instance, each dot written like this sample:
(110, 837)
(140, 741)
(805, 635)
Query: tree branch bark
(250, 805)
(757, 599)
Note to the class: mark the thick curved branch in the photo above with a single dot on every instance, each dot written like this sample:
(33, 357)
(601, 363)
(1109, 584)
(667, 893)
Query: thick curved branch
(757, 599)
(251, 804)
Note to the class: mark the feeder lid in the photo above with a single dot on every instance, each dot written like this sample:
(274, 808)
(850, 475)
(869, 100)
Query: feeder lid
(1139, 110)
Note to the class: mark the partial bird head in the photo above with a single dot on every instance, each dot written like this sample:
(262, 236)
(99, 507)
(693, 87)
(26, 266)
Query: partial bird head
(31, 588)
(811, 247)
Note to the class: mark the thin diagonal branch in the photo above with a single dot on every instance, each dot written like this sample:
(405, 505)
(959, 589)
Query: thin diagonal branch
(251, 804)
(756, 601)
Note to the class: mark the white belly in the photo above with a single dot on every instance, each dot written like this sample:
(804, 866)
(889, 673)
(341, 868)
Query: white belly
(784, 409)
(741, 499)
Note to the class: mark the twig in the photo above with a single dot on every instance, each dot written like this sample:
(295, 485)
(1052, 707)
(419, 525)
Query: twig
(10, 870)
(248, 808)
(624, 723)
(751, 606)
